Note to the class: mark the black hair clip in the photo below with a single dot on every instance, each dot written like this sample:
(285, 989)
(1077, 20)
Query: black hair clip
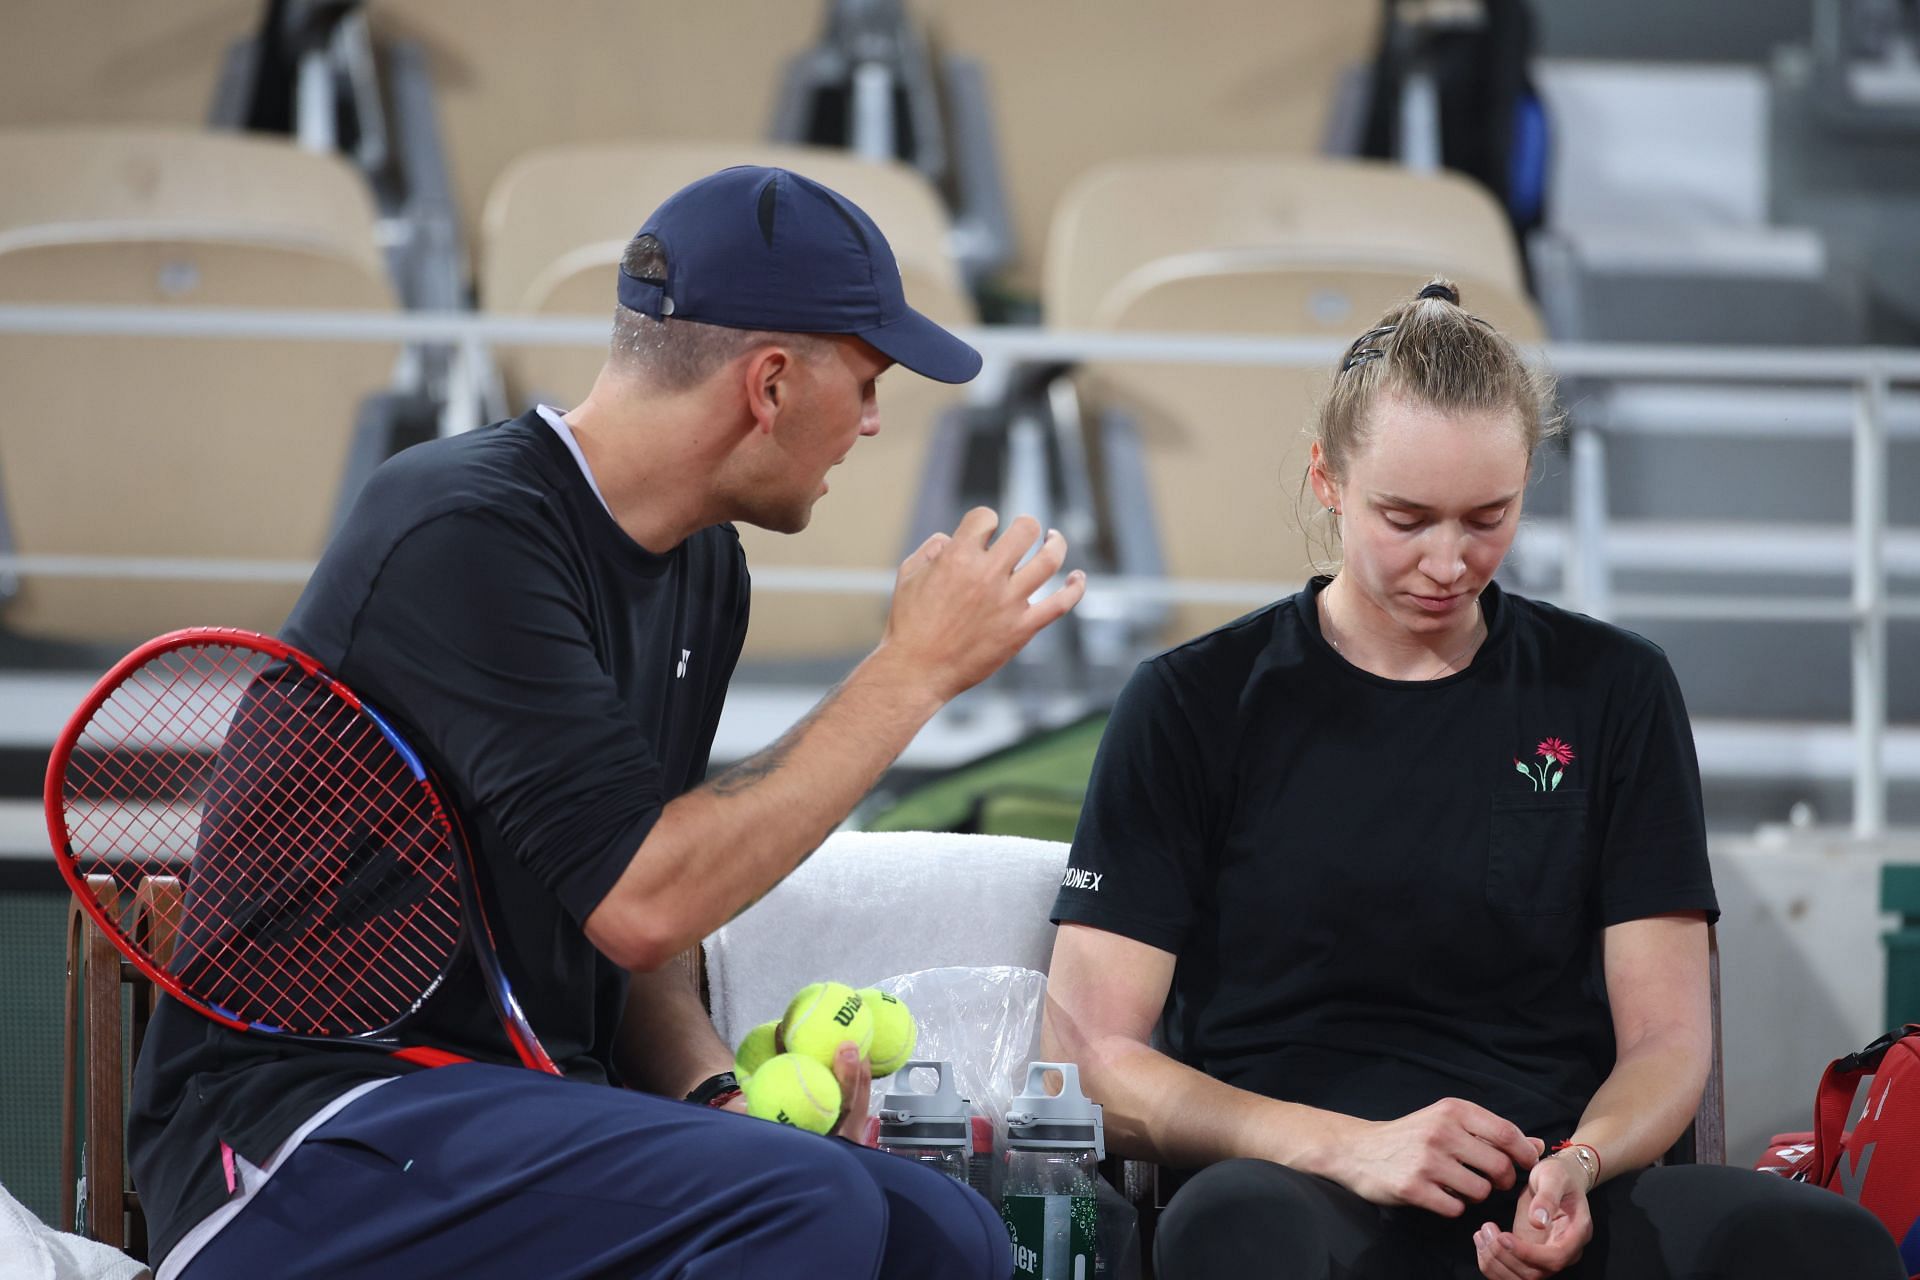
(1444, 292)
(1359, 353)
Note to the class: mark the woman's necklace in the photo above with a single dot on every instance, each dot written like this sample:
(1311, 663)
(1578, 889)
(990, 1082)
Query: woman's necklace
(1449, 667)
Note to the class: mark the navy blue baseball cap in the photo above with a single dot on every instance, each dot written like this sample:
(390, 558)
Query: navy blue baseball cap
(760, 248)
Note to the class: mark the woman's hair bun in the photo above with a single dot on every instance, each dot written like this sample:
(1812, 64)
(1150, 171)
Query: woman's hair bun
(1442, 290)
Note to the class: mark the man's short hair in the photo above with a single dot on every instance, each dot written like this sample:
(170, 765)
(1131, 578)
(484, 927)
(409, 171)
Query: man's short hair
(674, 355)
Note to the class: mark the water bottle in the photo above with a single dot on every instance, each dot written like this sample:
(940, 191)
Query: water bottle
(933, 1128)
(1054, 1147)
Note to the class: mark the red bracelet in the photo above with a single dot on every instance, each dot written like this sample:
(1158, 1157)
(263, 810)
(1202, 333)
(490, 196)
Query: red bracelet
(1593, 1174)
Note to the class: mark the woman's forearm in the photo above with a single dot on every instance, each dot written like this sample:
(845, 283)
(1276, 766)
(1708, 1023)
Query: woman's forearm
(1659, 987)
(1646, 1102)
(1158, 1109)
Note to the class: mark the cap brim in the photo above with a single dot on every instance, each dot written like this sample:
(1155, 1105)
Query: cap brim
(925, 347)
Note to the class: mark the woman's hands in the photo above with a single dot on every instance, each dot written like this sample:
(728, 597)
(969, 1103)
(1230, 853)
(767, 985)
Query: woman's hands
(1551, 1226)
(1440, 1158)
(1446, 1156)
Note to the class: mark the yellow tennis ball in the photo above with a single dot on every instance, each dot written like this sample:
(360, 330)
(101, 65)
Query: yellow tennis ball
(822, 1016)
(755, 1048)
(790, 1088)
(894, 1031)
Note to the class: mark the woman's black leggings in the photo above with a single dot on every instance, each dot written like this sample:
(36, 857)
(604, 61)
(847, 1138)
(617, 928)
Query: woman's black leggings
(1243, 1218)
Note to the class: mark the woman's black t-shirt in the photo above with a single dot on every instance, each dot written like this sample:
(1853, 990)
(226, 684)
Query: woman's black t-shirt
(1381, 893)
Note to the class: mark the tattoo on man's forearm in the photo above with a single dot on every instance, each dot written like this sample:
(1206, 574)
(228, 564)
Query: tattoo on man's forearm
(751, 771)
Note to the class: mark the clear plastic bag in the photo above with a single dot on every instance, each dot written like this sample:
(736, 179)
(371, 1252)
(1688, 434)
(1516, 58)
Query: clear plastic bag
(985, 1020)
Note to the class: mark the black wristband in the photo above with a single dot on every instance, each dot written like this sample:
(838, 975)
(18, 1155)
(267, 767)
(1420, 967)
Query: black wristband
(712, 1087)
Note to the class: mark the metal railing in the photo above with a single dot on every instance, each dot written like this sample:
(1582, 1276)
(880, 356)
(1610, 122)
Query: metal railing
(1868, 374)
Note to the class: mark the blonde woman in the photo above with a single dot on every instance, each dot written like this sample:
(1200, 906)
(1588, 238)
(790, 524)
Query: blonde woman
(1392, 916)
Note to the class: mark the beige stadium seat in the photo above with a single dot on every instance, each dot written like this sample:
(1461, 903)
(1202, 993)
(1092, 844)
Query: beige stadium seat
(552, 236)
(1271, 245)
(176, 447)
(1073, 83)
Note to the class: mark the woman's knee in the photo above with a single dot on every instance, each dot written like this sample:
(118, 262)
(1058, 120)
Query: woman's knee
(1242, 1214)
(1816, 1228)
(1717, 1221)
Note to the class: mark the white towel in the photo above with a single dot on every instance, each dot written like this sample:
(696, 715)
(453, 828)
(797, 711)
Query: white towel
(31, 1250)
(870, 905)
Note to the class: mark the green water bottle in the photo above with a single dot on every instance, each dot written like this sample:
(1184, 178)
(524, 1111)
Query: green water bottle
(1055, 1143)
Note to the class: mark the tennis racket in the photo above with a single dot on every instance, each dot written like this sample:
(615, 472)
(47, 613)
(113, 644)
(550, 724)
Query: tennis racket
(327, 886)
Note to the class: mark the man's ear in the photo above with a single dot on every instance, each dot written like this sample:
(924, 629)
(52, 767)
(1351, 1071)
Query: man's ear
(768, 374)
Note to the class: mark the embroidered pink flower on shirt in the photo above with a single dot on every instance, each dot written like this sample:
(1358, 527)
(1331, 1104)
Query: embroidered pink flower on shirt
(1555, 756)
(1558, 750)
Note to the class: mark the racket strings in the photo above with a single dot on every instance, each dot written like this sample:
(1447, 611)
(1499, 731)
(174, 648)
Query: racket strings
(301, 793)
(368, 913)
(332, 939)
(137, 752)
(321, 887)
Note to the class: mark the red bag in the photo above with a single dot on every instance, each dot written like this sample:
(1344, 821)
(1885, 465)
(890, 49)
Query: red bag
(1788, 1155)
(1877, 1163)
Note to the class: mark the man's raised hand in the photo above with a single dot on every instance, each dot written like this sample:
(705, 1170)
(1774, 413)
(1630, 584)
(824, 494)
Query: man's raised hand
(961, 602)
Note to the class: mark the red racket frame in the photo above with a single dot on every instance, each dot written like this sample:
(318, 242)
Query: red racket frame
(478, 933)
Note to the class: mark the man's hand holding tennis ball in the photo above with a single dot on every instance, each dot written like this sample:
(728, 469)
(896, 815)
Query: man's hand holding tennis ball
(814, 1067)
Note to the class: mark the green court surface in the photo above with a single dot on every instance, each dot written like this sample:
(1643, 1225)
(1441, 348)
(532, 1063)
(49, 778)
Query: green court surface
(1032, 788)
(32, 973)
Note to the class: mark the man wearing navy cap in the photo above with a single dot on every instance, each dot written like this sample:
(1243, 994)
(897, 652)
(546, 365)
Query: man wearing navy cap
(553, 607)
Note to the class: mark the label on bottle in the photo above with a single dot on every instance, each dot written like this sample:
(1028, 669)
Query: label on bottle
(1052, 1236)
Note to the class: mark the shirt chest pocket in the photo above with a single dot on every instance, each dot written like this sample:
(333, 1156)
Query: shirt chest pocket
(1538, 862)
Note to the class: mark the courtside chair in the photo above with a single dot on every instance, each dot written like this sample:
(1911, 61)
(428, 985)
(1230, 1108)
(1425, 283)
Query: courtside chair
(1705, 1141)
(1203, 465)
(180, 448)
(555, 226)
(108, 1004)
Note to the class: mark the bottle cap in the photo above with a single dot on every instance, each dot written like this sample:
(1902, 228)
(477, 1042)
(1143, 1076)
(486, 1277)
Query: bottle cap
(1042, 1121)
(912, 1117)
